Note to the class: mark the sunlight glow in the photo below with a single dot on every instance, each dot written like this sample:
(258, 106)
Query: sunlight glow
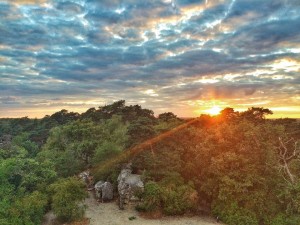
(215, 110)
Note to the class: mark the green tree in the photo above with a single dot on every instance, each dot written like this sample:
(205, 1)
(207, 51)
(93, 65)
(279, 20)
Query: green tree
(141, 130)
(28, 210)
(23, 140)
(63, 116)
(74, 146)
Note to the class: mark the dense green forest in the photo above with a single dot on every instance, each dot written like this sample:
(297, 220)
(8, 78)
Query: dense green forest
(237, 166)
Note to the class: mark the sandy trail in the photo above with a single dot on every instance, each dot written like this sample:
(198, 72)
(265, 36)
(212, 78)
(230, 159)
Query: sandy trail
(109, 214)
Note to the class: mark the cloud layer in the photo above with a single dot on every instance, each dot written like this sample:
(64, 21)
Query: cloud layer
(168, 55)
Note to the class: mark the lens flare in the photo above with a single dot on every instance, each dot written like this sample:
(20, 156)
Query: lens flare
(215, 110)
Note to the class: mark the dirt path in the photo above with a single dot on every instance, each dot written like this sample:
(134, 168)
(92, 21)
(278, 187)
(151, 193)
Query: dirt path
(109, 214)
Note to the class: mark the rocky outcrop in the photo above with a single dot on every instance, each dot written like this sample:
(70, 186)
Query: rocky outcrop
(128, 185)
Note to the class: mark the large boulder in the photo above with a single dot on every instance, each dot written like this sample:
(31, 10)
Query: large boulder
(104, 191)
(128, 185)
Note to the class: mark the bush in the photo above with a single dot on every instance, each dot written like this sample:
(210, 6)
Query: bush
(170, 195)
(151, 198)
(282, 219)
(67, 197)
(29, 210)
(177, 199)
(234, 215)
(107, 172)
(177, 196)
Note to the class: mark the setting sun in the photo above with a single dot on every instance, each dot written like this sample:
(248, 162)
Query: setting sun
(215, 110)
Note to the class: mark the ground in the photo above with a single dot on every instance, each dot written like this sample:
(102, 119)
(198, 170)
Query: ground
(109, 214)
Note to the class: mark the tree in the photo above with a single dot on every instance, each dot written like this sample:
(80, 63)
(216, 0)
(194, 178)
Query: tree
(106, 112)
(140, 130)
(167, 116)
(114, 140)
(29, 210)
(23, 140)
(256, 113)
(63, 116)
(74, 146)
(128, 113)
(228, 114)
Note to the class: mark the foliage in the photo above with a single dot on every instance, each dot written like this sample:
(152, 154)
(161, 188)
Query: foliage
(167, 116)
(256, 114)
(234, 165)
(114, 141)
(74, 146)
(107, 172)
(167, 121)
(29, 210)
(23, 140)
(178, 197)
(27, 174)
(128, 113)
(63, 117)
(235, 215)
(140, 130)
(171, 195)
(240, 165)
(74, 143)
(22, 191)
(67, 198)
(151, 197)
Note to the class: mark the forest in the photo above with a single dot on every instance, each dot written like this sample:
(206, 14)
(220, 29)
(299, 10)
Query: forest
(237, 166)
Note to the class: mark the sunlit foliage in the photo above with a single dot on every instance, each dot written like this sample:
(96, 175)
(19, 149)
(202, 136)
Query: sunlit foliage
(237, 166)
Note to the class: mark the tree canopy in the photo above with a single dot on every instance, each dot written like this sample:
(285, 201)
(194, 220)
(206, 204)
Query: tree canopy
(238, 166)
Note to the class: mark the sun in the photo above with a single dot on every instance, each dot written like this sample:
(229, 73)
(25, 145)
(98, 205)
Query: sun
(215, 110)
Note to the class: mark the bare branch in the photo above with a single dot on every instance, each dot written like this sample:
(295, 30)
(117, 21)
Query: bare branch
(287, 154)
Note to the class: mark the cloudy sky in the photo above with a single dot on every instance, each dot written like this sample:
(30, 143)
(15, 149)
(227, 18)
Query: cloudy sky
(184, 56)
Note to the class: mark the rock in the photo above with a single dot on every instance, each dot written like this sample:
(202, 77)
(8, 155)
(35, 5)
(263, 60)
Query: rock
(98, 189)
(107, 192)
(128, 184)
(104, 191)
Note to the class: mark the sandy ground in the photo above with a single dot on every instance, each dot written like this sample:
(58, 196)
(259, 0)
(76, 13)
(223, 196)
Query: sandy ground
(109, 214)
(49, 218)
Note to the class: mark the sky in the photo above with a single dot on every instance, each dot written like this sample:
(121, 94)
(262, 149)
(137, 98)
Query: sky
(183, 56)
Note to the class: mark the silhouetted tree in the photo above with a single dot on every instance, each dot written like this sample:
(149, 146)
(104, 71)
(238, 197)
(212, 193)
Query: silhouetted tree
(228, 114)
(255, 113)
(167, 116)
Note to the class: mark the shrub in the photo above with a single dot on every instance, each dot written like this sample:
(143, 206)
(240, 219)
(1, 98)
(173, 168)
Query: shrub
(67, 194)
(170, 195)
(283, 219)
(178, 199)
(151, 197)
(29, 210)
(234, 215)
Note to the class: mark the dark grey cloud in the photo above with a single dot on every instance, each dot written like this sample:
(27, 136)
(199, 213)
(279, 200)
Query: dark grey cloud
(266, 36)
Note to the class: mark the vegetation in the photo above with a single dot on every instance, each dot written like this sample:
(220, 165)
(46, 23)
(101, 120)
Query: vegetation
(238, 166)
(67, 199)
(244, 170)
